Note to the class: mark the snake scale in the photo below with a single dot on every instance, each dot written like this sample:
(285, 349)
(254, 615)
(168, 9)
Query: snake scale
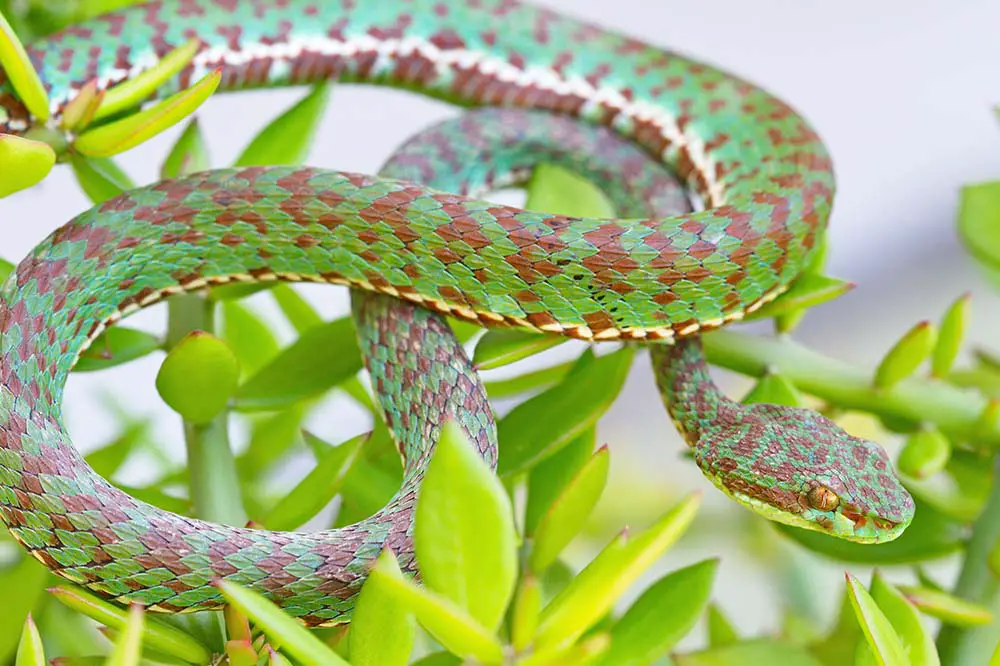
(416, 241)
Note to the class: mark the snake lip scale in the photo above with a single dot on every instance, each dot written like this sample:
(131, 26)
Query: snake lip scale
(411, 248)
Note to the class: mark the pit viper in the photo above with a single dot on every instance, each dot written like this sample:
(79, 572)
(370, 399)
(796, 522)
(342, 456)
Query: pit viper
(417, 241)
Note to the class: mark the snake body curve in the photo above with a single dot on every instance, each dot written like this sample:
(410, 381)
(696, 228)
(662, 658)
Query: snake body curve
(761, 170)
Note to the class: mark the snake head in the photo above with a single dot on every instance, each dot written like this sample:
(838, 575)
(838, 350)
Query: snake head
(798, 467)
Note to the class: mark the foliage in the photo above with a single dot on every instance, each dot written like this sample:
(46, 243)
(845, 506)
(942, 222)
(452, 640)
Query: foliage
(499, 584)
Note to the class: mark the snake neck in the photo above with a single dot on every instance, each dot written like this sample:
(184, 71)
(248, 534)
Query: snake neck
(695, 403)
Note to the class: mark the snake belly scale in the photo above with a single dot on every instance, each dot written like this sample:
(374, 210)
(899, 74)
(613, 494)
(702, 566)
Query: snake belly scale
(762, 171)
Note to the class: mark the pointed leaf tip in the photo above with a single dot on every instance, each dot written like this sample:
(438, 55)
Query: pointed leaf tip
(30, 651)
(134, 91)
(21, 72)
(906, 355)
(127, 133)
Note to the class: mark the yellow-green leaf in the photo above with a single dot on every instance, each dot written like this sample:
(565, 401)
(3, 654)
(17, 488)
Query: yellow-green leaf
(116, 346)
(25, 163)
(136, 89)
(318, 487)
(878, 631)
(750, 653)
(553, 189)
(382, 629)
(21, 72)
(188, 155)
(500, 347)
(80, 110)
(808, 291)
(281, 629)
(774, 389)
(979, 223)
(155, 634)
(593, 593)
(720, 630)
(121, 135)
(548, 478)
(248, 335)
(662, 616)
(30, 651)
(569, 512)
(451, 626)
(198, 377)
(586, 652)
(128, 648)
(100, 178)
(925, 453)
(525, 613)
(917, 642)
(286, 139)
(950, 336)
(906, 355)
(300, 314)
(464, 536)
(543, 424)
(946, 607)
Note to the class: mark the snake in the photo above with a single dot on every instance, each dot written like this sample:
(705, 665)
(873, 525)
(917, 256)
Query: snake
(416, 243)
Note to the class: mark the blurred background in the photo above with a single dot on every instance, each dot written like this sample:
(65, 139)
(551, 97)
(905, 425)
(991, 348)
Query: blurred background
(903, 94)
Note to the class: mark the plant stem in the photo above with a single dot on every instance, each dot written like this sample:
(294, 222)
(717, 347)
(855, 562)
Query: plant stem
(974, 645)
(955, 411)
(215, 488)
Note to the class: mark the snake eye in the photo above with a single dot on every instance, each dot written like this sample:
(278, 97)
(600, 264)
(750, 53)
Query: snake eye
(822, 498)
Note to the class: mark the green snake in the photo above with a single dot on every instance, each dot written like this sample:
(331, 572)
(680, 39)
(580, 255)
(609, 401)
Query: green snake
(411, 246)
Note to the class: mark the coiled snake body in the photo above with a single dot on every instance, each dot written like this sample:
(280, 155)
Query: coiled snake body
(404, 238)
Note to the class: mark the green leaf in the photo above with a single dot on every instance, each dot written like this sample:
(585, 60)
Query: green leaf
(449, 624)
(584, 653)
(79, 111)
(925, 453)
(26, 162)
(138, 88)
(906, 355)
(128, 647)
(23, 584)
(100, 178)
(567, 515)
(239, 290)
(595, 590)
(529, 381)
(127, 133)
(317, 489)
(917, 642)
(525, 612)
(30, 651)
(950, 336)
(115, 346)
(287, 139)
(382, 630)
(271, 437)
(553, 189)
(758, 651)
(464, 536)
(249, 337)
(959, 492)
(439, 659)
(503, 346)
(21, 73)
(300, 314)
(662, 616)
(930, 535)
(840, 645)
(198, 377)
(946, 607)
(280, 627)
(720, 630)
(320, 359)
(188, 155)
(879, 633)
(155, 634)
(808, 291)
(108, 458)
(547, 479)
(774, 389)
(979, 222)
(545, 423)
